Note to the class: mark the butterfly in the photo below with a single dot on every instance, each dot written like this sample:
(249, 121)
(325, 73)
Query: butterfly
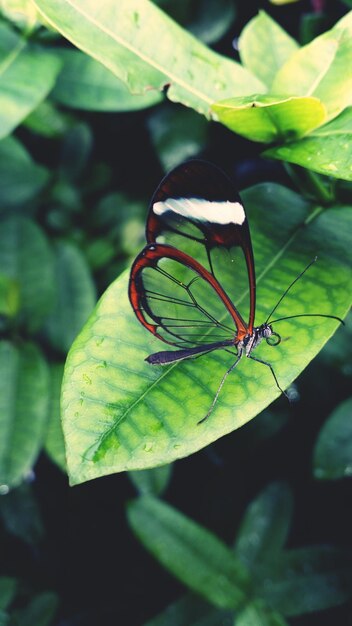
(198, 256)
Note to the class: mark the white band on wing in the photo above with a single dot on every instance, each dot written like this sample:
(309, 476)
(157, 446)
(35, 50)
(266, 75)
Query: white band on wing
(217, 212)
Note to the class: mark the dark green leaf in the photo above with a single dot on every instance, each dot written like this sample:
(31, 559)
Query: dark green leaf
(153, 481)
(264, 47)
(21, 516)
(76, 150)
(4, 618)
(75, 296)
(40, 611)
(86, 84)
(54, 442)
(212, 19)
(8, 589)
(177, 134)
(25, 258)
(191, 610)
(120, 413)
(19, 95)
(21, 180)
(125, 36)
(23, 410)
(328, 150)
(270, 118)
(192, 553)
(48, 121)
(265, 526)
(307, 580)
(333, 450)
(338, 351)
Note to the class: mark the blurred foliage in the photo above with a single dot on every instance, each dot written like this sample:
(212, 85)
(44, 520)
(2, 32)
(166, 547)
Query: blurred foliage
(88, 124)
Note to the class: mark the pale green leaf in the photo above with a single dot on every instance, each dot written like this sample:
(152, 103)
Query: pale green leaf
(333, 450)
(265, 526)
(21, 179)
(152, 481)
(25, 258)
(328, 150)
(54, 443)
(257, 613)
(145, 49)
(192, 553)
(8, 588)
(319, 69)
(23, 410)
(270, 118)
(21, 12)
(86, 84)
(74, 296)
(121, 413)
(264, 47)
(20, 60)
(9, 296)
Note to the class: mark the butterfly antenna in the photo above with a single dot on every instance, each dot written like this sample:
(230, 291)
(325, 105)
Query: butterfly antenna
(288, 289)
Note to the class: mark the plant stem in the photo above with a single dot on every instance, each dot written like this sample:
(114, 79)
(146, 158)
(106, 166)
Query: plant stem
(311, 183)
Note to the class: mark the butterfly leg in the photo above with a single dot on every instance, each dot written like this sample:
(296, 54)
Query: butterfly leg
(250, 356)
(221, 385)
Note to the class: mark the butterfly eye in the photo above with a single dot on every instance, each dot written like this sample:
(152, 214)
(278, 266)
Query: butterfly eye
(273, 340)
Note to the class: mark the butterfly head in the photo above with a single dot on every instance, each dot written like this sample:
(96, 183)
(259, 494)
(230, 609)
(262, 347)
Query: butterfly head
(266, 332)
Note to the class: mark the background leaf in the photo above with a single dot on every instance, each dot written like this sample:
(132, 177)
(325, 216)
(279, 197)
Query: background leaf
(333, 450)
(120, 413)
(153, 481)
(328, 150)
(17, 165)
(269, 118)
(190, 552)
(26, 258)
(319, 69)
(195, 75)
(18, 95)
(24, 404)
(258, 614)
(86, 84)
(74, 297)
(264, 47)
(54, 442)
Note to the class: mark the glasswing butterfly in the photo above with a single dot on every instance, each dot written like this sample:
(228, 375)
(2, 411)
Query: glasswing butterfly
(198, 259)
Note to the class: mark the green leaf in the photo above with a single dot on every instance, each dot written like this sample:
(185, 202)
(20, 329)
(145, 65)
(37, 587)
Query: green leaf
(333, 449)
(191, 610)
(86, 84)
(8, 589)
(120, 413)
(18, 95)
(25, 258)
(48, 121)
(23, 410)
(126, 37)
(54, 442)
(257, 613)
(192, 553)
(265, 526)
(21, 179)
(21, 12)
(9, 296)
(319, 69)
(306, 580)
(212, 19)
(75, 153)
(21, 516)
(269, 118)
(4, 619)
(177, 134)
(40, 611)
(264, 47)
(328, 150)
(153, 481)
(75, 296)
(338, 351)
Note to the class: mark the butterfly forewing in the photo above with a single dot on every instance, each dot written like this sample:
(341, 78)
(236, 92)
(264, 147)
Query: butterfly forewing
(197, 210)
(176, 302)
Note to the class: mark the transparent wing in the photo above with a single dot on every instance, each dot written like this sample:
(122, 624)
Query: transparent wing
(179, 301)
